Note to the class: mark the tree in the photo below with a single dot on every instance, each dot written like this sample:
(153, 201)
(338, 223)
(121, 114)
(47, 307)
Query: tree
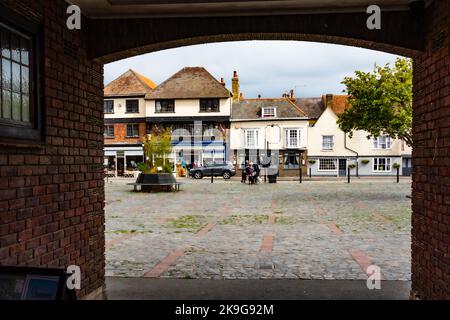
(381, 101)
(157, 150)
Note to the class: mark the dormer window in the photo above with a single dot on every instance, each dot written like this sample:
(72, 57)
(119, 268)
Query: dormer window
(269, 112)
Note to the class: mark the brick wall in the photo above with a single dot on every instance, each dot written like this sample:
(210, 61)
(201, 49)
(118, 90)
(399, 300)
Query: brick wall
(51, 195)
(431, 159)
(120, 134)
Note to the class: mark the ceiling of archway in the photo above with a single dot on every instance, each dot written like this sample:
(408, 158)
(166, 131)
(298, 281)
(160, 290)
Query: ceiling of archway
(166, 8)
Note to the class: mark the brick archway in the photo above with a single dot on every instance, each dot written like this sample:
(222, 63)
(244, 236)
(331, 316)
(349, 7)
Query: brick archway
(52, 191)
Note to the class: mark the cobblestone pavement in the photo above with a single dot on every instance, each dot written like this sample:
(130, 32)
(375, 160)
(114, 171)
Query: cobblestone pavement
(229, 230)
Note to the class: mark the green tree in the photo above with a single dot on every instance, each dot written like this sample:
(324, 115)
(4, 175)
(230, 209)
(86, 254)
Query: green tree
(381, 101)
(157, 150)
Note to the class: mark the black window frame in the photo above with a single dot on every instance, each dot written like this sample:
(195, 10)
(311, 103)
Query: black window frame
(132, 125)
(17, 131)
(134, 106)
(165, 111)
(204, 108)
(104, 106)
(106, 132)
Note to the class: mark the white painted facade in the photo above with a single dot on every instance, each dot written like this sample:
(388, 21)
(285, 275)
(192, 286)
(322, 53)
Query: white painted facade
(120, 109)
(187, 108)
(370, 158)
(270, 134)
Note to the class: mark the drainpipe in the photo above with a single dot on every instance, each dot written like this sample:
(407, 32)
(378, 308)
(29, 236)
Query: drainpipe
(357, 154)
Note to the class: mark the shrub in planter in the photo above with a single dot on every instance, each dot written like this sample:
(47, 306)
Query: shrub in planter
(352, 166)
(396, 165)
(365, 161)
(311, 161)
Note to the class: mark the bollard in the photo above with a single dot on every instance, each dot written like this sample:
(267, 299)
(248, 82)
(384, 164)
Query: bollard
(348, 175)
(212, 175)
(310, 175)
(300, 174)
(398, 175)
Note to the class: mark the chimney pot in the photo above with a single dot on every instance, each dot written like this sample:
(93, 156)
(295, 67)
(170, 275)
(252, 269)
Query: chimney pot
(235, 75)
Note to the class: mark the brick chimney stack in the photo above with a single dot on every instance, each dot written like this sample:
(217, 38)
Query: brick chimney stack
(329, 100)
(235, 87)
(222, 82)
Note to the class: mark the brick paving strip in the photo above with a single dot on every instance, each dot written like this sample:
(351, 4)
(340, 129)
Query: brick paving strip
(165, 263)
(172, 258)
(226, 211)
(335, 229)
(319, 211)
(272, 219)
(381, 217)
(362, 259)
(267, 243)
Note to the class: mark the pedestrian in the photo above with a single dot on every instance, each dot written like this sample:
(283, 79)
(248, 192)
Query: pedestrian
(257, 171)
(244, 173)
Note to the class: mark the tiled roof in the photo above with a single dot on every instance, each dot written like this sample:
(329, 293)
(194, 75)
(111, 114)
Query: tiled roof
(339, 104)
(313, 107)
(190, 83)
(250, 109)
(128, 84)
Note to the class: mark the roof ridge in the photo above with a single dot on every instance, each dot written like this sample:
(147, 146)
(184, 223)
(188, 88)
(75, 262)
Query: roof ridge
(297, 107)
(138, 76)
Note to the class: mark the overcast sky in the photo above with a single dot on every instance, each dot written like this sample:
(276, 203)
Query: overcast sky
(268, 68)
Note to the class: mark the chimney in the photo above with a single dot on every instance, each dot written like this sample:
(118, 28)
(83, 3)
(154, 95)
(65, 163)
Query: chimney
(329, 100)
(235, 87)
(222, 82)
(292, 95)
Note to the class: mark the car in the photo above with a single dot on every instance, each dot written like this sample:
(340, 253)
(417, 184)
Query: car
(216, 168)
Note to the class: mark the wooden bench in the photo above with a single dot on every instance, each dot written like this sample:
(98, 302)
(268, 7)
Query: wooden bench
(176, 184)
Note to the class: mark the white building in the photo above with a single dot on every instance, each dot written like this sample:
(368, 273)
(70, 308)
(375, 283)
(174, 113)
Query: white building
(274, 128)
(331, 151)
(197, 108)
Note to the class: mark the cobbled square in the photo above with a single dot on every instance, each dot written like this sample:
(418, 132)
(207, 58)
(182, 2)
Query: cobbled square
(230, 230)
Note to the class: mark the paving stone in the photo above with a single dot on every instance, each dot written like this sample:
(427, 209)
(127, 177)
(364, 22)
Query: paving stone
(142, 229)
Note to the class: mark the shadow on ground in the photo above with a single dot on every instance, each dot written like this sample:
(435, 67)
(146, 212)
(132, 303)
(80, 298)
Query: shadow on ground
(204, 289)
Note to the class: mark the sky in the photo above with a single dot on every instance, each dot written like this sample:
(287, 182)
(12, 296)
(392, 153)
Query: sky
(266, 68)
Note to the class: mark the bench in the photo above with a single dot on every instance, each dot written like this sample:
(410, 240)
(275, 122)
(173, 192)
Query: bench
(156, 180)
(176, 184)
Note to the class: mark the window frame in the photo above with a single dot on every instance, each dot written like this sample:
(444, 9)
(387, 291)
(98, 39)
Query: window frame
(264, 114)
(159, 100)
(377, 145)
(132, 136)
(129, 101)
(387, 164)
(328, 170)
(256, 138)
(299, 138)
(292, 153)
(332, 142)
(17, 131)
(106, 131)
(106, 101)
(209, 99)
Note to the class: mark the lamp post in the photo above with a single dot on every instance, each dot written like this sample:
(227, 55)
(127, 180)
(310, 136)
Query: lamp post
(267, 142)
